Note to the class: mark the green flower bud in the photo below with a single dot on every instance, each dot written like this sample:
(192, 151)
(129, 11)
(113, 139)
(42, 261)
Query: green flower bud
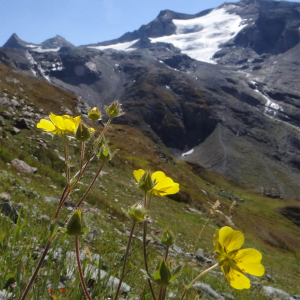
(168, 238)
(105, 154)
(94, 114)
(163, 275)
(76, 225)
(83, 133)
(114, 109)
(136, 213)
(146, 183)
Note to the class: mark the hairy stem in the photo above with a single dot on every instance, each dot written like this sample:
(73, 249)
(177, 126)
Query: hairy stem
(80, 270)
(160, 293)
(167, 252)
(36, 270)
(91, 185)
(143, 292)
(125, 260)
(145, 258)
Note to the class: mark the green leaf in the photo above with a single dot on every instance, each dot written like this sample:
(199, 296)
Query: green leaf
(157, 275)
(146, 274)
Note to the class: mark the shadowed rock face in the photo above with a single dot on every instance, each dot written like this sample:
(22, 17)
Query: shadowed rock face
(240, 116)
(292, 213)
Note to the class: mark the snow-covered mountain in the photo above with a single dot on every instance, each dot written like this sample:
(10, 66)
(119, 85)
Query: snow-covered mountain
(50, 45)
(219, 88)
(199, 37)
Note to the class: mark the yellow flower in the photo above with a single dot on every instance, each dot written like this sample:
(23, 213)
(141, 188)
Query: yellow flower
(163, 185)
(59, 124)
(235, 262)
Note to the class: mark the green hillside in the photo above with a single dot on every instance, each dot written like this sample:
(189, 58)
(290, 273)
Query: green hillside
(37, 195)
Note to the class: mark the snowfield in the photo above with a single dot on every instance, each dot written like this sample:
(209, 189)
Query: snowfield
(121, 46)
(201, 38)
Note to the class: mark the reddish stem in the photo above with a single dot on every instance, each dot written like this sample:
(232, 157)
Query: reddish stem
(125, 259)
(145, 258)
(36, 270)
(80, 270)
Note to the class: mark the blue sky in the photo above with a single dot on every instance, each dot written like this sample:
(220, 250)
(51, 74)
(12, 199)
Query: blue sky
(85, 21)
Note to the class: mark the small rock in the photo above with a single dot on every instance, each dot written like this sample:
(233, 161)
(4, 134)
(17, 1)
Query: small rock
(7, 115)
(22, 166)
(208, 290)
(194, 211)
(44, 218)
(297, 297)
(2, 123)
(69, 203)
(270, 278)
(8, 209)
(274, 293)
(19, 206)
(52, 200)
(200, 255)
(22, 124)
(95, 232)
(15, 131)
(189, 255)
(228, 296)
(5, 197)
(15, 103)
(176, 249)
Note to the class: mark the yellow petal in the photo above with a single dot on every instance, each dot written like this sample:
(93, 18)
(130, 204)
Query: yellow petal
(46, 125)
(77, 121)
(138, 174)
(59, 122)
(162, 183)
(248, 260)
(69, 125)
(158, 176)
(237, 279)
(170, 190)
(52, 118)
(230, 239)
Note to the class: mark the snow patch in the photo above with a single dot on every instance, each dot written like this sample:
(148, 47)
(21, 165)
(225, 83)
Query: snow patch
(188, 153)
(271, 108)
(92, 66)
(40, 50)
(31, 61)
(201, 38)
(42, 71)
(120, 46)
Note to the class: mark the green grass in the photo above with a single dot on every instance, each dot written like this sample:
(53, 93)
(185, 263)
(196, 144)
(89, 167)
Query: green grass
(266, 230)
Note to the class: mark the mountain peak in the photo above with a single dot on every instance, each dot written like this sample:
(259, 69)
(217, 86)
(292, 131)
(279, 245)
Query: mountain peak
(15, 42)
(56, 42)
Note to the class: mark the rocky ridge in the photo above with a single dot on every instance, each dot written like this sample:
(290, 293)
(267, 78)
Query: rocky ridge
(238, 117)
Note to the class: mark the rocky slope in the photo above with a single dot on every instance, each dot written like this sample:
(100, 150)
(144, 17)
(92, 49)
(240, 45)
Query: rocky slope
(237, 115)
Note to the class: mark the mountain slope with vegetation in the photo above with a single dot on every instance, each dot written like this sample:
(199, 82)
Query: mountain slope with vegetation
(35, 195)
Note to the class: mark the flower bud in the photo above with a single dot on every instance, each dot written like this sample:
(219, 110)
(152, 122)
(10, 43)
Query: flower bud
(136, 213)
(146, 183)
(114, 109)
(94, 114)
(76, 225)
(168, 238)
(83, 133)
(164, 275)
(105, 154)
